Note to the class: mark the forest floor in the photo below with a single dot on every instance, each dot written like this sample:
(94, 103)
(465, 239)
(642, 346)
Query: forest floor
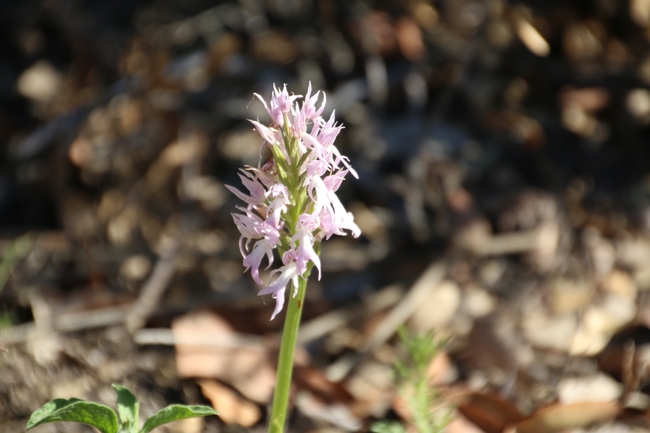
(503, 198)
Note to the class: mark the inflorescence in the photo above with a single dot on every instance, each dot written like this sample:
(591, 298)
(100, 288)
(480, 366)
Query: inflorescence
(291, 203)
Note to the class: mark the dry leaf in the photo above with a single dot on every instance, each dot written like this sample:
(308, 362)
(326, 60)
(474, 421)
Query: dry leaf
(232, 408)
(206, 346)
(558, 417)
(315, 381)
(488, 411)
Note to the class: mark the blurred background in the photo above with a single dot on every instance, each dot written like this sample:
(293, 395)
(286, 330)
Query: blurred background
(503, 196)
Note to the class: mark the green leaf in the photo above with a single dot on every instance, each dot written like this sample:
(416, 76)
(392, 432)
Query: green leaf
(127, 408)
(176, 412)
(96, 415)
(385, 426)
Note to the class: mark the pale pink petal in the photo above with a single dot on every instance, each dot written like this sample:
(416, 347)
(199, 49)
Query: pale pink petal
(253, 261)
(278, 287)
(266, 133)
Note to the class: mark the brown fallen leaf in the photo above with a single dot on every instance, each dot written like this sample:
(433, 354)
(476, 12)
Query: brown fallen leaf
(559, 417)
(207, 347)
(232, 408)
(316, 381)
(489, 412)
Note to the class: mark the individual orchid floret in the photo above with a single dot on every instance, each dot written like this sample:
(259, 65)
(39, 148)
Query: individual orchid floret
(283, 100)
(253, 260)
(299, 125)
(309, 107)
(274, 112)
(252, 227)
(287, 273)
(305, 239)
(329, 131)
(267, 174)
(333, 181)
(256, 189)
(268, 134)
(335, 219)
(279, 200)
(291, 204)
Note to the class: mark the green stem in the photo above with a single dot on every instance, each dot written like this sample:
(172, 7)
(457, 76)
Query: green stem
(285, 360)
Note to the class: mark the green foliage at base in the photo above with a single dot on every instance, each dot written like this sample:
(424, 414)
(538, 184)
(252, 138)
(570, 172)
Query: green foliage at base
(106, 420)
(96, 415)
(175, 412)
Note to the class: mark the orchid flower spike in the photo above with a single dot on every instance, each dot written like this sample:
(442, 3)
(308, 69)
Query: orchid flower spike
(291, 203)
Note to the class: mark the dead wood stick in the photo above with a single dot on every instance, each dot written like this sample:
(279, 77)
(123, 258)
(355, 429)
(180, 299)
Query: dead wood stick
(151, 293)
(68, 322)
(165, 337)
(516, 242)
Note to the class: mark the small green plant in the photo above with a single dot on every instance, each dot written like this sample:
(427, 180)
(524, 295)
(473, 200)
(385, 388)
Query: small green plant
(422, 399)
(104, 419)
